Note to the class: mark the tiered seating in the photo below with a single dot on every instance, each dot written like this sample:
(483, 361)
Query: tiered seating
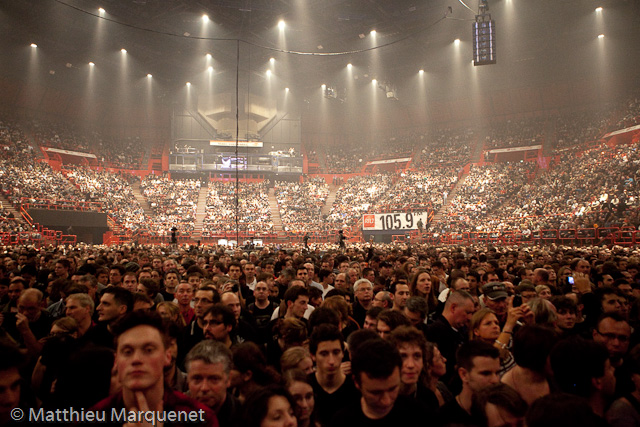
(419, 191)
(597, 187)
(253, 206)
(173, 203)
(516, 133)
(356, 197)
(113, 192)
(485, 189)
(301, 204)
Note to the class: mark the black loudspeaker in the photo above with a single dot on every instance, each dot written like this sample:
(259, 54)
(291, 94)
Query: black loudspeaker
(484, 41)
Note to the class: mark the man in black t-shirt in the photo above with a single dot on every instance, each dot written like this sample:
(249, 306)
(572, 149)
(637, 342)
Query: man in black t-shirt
(261, 310)
(478, 364)
(375, 366)
(332, 388)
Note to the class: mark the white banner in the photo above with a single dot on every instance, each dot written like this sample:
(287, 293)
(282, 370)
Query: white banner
(510, 150)
(384, 162)
(253, 144)
(621, 131)
(69, 153)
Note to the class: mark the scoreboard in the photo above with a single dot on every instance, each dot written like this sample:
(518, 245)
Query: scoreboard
(404, 221)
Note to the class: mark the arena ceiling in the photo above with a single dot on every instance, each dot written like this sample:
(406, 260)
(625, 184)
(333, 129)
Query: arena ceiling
(541, 39)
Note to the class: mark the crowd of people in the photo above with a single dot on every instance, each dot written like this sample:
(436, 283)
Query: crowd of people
(590, 186)
(253, 208)
(366, 335)
(485, 189)
(447, 147)
(516, 133)
(119, 152)
(24, 180)
(357, 196)
(12, 138)
(599, 188)
(594, 188)
(173, 203)
(10, 224)
(631, 114)
(64, 136)
(418, 191)
(112, 191)
(113, 151)
(351, 159)
(574, 129)
(344, 159)
(300, 204)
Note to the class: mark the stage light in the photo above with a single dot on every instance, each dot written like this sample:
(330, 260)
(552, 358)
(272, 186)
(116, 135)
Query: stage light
(598, 9)
(373, 32)
(208, 56)
(286, 89)
(101, 11)
(374, 82)
(349, 66)
(123, 50)
(272, 60)
(149, 76)
(456, 42)
(281, 24)
(34, 45)
(205, 18)
(91, 64)
(210, 69)
(268, 73)
(323, 87)
(601, 36)
(421, 72)
(188, 83)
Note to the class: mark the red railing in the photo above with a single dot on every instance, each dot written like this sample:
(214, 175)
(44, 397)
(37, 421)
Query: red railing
(212, 238)
(38, 235)
(67, 205)
(625, 236)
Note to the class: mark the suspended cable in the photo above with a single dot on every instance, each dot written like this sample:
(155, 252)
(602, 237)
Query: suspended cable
(462, 3)
(273, 49)
(237, 138)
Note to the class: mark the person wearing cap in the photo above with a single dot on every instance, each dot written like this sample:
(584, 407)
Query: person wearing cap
(495, 298)
(132, 266)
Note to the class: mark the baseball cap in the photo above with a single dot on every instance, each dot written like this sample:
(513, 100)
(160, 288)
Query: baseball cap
(495, 290)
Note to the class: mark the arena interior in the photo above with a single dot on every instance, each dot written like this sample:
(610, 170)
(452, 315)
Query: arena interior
(470, 167)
